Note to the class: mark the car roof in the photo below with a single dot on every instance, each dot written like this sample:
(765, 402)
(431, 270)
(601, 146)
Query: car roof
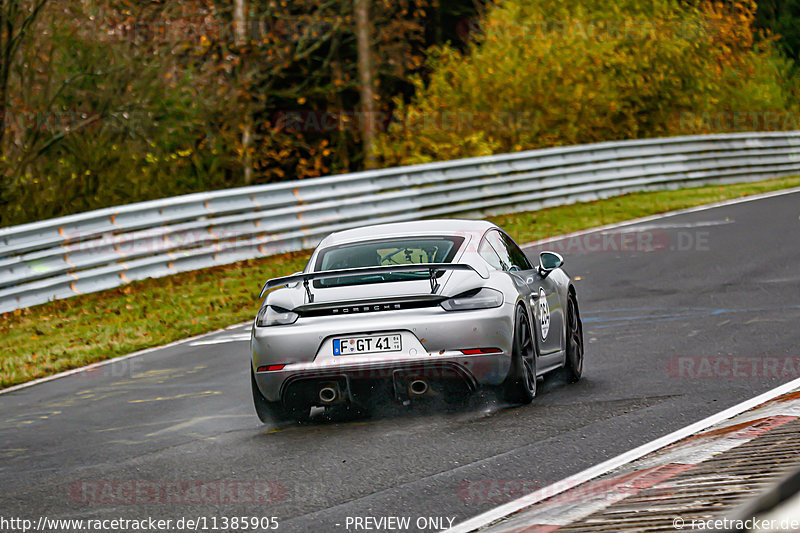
(418, 227)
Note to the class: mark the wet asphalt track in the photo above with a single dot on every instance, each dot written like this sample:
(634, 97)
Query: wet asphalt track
(119, 441)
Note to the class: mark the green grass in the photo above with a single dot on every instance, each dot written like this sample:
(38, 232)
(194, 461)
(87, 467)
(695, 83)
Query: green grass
(66, 334)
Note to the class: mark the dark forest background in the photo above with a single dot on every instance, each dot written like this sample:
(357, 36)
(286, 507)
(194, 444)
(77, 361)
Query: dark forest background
(107, 102)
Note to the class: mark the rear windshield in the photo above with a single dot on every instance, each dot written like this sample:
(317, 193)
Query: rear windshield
(400, 251)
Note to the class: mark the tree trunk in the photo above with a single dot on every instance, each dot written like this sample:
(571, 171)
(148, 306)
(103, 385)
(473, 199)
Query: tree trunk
(6, 30)
(367, 122)
(240, 38)
(240, 22)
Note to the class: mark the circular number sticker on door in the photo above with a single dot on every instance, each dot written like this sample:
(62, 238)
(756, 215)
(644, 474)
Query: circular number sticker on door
(544, 313)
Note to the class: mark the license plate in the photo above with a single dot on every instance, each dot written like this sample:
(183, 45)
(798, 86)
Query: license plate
(367, 344)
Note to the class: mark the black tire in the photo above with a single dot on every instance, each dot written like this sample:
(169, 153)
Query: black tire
(573, 366)
(268, 412)
(520, 384)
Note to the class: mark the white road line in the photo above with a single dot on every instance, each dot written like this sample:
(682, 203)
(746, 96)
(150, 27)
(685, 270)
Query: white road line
(702, 224)
(509, 508)
(660, 216)
(240, 337)
(117, 359)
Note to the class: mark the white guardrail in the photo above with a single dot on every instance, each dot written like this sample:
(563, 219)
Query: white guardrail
(101, 249)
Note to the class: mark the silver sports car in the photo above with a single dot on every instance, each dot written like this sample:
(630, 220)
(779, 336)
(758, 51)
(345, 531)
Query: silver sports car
(414, 311)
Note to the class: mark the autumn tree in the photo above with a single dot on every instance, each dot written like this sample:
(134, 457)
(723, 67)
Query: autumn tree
(17, 17)
(546, 73)
(117, 101)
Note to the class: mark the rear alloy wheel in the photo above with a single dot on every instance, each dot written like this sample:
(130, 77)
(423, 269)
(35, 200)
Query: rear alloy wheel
(267, 411)
(573, 366)
(520, 385)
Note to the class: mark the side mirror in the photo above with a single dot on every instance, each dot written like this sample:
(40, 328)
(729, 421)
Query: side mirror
(549, 261)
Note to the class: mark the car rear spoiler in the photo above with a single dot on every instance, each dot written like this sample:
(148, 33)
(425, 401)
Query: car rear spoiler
(433, 270)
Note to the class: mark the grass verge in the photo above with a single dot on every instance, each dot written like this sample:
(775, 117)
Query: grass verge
(67, 334)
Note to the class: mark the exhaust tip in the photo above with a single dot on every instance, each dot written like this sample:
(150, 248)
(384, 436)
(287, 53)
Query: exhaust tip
(327, 394)
(418, 387)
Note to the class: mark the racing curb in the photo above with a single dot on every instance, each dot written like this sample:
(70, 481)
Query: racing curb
(651, 464)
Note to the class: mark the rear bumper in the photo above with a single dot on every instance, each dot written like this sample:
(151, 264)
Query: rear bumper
(444, 380)
(433, 340)
(473, 370)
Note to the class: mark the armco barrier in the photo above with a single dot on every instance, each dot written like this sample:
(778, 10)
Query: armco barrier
(92, 251)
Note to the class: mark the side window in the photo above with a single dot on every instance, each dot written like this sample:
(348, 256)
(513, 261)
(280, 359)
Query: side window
(487, 252)
(518, 258)
(496, 241)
